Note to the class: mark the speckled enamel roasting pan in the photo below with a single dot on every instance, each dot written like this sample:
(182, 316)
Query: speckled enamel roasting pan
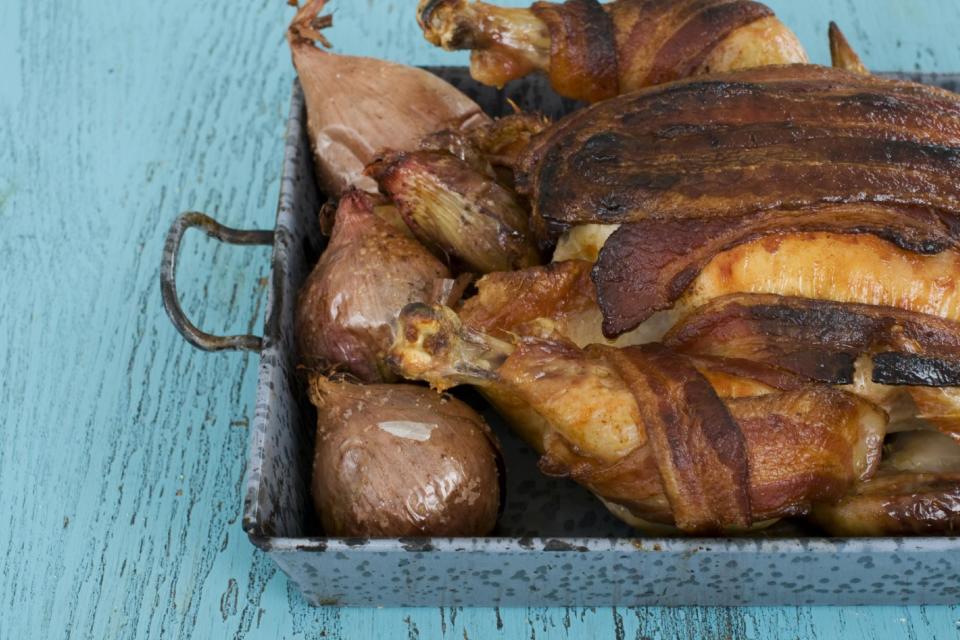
(555, 543)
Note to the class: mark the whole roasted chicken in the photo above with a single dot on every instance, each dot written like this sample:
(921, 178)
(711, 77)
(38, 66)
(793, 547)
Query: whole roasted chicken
(753, 309)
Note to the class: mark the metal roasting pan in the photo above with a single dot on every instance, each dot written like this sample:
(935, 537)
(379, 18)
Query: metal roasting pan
(555, 544)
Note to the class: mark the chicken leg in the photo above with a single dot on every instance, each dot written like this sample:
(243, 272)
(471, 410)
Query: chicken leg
(594, 51)
(646, 430)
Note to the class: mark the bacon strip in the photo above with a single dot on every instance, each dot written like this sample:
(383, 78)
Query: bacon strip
(732, 144)
(733, 462)
(916, 370)
(822, 339)
(646, 266)
(701, 26)
(698, 447)
(740, 372)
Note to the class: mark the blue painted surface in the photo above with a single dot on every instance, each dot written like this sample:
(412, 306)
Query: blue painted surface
(122, 448)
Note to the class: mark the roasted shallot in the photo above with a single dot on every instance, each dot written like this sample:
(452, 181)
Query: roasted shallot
(400, 460)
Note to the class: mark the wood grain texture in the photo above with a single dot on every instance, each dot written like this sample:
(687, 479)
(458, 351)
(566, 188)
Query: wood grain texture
(122, 448)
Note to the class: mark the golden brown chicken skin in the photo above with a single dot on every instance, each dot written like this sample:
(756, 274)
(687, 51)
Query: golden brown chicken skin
(646, 266)
(915, 492)
(859, 268)
(593, 51)
(813, 311)
(629, 423)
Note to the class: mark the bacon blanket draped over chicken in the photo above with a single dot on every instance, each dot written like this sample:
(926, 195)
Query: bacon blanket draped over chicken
(780, 230)
(754, 313)
(668, 439)
(712, 162)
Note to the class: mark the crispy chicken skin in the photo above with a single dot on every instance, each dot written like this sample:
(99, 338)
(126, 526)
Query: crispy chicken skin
(646, 266)
(644, 427)
(859, 268)
(593, 51)
(845, 268)
(915, 492)
(555, 299)
(842, 268)
(821, 339)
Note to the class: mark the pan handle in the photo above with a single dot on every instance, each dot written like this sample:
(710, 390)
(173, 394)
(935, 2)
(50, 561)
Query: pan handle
(168, 279)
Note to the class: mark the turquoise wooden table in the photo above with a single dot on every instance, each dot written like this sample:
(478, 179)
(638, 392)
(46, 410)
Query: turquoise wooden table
(122, 448)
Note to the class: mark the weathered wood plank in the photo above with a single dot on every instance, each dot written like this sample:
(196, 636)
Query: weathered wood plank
(122, 448)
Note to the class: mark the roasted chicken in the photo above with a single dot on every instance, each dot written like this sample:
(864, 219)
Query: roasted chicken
(594, 51)
(916, 491)
(855, 291)
(753, 310)
(646, 429)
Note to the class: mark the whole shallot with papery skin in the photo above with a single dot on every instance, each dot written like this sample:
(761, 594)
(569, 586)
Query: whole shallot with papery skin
(370, 269)
(402, 460)
(357, 106)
